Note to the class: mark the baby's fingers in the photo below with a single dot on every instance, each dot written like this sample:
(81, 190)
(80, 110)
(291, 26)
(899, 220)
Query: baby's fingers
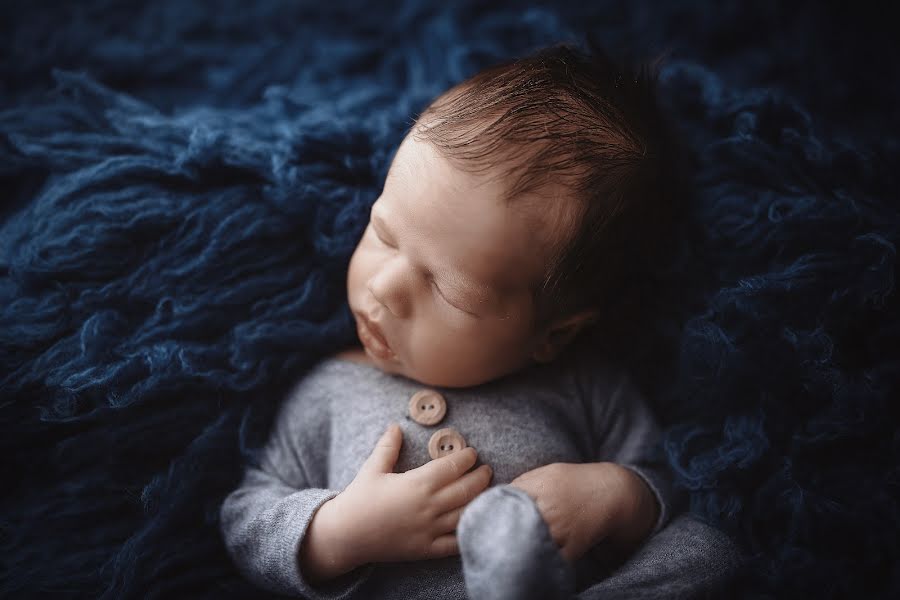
(443, 546)
(447, 522)
(387, 449)
(441, 471)
(463, 490)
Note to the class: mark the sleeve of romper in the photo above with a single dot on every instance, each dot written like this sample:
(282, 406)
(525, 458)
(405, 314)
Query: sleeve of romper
(264, 520)
(626, 432)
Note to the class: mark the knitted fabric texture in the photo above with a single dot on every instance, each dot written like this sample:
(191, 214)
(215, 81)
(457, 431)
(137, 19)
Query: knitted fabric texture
(184, 183)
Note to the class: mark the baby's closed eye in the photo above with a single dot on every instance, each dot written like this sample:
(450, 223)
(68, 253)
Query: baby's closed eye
(454, 304)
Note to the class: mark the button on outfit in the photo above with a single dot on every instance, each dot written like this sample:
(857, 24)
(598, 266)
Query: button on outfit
(427, 407)
(445, 441)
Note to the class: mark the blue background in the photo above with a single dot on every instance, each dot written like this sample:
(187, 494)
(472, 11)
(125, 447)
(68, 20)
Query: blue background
(183, 184)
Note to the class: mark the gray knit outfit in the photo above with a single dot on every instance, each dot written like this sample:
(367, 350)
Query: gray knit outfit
(571, 411)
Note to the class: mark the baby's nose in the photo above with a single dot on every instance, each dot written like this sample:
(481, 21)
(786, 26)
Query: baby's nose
(391, 286)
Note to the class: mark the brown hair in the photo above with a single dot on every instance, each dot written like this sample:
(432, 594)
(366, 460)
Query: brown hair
(562, 116)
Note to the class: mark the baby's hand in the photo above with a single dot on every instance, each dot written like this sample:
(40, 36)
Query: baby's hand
(388, 516)
(588, 503)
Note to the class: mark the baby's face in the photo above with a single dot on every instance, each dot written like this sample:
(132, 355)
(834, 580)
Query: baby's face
(441, 281)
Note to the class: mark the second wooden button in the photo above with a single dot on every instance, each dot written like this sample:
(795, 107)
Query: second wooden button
(445, 441)
(427, 407)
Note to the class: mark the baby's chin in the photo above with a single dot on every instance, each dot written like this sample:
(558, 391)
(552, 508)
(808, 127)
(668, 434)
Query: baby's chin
(441, 379)
(395, 366)
(390, 364)
(436, 376)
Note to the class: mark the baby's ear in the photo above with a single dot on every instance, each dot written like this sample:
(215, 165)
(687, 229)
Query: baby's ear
(560, 333)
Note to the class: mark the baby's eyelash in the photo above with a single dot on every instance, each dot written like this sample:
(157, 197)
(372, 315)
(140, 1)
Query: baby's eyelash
(435, 286)
(380, 239)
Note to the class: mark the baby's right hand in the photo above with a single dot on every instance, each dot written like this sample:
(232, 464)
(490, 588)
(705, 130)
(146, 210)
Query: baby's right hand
(390, 516)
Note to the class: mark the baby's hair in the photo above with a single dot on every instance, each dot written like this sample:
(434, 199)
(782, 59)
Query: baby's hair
(564, 119)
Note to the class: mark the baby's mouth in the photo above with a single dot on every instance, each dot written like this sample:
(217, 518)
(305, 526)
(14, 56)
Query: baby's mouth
(372, 339)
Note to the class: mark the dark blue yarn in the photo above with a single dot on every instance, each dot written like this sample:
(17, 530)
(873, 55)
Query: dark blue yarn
(184, 183)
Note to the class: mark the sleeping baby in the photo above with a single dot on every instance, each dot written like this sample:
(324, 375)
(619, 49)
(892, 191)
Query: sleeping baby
(473, 444)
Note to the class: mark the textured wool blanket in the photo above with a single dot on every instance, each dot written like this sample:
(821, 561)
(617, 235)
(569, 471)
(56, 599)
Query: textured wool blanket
(183, 184)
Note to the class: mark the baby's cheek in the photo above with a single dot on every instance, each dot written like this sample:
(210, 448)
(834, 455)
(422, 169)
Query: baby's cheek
(443, 355)
(497, 340)
(485, 356)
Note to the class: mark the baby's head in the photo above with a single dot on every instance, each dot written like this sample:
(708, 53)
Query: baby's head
(520, 208)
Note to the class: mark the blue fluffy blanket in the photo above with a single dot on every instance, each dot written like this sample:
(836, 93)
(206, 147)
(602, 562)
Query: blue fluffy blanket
(183, 184)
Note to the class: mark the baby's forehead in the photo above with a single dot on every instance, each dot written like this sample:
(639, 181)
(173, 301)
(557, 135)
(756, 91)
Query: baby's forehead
(514, 172)
(548, 209)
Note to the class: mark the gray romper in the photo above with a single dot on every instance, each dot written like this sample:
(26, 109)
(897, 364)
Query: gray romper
(571, 412)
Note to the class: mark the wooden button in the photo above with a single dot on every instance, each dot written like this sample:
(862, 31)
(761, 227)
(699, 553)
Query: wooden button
(445, 441)
(427, 407)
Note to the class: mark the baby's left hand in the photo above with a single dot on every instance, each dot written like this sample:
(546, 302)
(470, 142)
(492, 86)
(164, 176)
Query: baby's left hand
(586, 503)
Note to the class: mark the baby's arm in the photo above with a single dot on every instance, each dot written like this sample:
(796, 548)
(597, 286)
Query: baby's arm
(627, 435)
(586, 504)
(288, 537)
(385, 516)
(682, 558)
(519, 541)
(265, 520)
(621, 498)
